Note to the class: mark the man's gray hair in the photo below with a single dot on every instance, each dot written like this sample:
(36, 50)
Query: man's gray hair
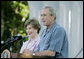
(51, 9)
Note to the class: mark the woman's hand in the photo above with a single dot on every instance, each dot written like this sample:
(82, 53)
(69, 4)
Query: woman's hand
(27, 51)
(25, 55)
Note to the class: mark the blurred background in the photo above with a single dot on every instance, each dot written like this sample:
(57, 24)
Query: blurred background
(69, 15)
(13, 16)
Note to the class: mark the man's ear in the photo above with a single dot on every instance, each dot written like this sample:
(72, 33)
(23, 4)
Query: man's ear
(53, 16)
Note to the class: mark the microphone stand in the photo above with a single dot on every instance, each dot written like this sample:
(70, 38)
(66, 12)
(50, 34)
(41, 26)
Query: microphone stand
(9, 41)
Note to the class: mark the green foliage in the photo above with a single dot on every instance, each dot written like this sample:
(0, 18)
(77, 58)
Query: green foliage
(14, 14)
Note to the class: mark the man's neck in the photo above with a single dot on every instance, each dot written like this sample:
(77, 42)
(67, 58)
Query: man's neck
(49, 26)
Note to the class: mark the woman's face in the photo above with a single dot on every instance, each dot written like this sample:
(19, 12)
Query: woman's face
(31, 31)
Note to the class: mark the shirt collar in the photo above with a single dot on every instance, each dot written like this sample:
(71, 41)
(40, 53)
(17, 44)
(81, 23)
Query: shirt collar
(52, 27)
(36, 39)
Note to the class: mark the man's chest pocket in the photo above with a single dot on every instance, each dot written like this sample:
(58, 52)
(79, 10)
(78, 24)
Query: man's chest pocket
(46, 40)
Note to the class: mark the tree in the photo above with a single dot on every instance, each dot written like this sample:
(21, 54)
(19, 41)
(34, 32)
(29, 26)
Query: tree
(13, 16)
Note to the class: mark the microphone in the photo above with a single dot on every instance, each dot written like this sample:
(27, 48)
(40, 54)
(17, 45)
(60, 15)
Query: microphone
(25, 37)
(19, 37)
(13, 39)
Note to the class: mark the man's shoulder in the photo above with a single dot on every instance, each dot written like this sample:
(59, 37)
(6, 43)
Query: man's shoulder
(59, 27)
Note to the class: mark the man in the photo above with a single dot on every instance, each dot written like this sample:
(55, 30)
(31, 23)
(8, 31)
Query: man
(54, 40)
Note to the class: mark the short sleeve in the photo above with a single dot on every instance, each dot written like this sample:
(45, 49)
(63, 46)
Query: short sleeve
(23, 47)
(57, 40)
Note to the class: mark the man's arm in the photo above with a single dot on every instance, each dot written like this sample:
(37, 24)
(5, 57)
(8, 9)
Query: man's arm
(42, 53)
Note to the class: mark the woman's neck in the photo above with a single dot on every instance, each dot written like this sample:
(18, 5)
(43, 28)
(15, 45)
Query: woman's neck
(33, 37)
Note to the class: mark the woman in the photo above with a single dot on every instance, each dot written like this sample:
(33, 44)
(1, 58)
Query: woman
(32, 29)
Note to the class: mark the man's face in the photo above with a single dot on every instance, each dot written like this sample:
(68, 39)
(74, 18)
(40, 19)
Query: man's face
(46, 17)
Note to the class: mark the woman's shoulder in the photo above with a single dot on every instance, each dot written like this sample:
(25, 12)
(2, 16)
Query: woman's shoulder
(25, 42)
